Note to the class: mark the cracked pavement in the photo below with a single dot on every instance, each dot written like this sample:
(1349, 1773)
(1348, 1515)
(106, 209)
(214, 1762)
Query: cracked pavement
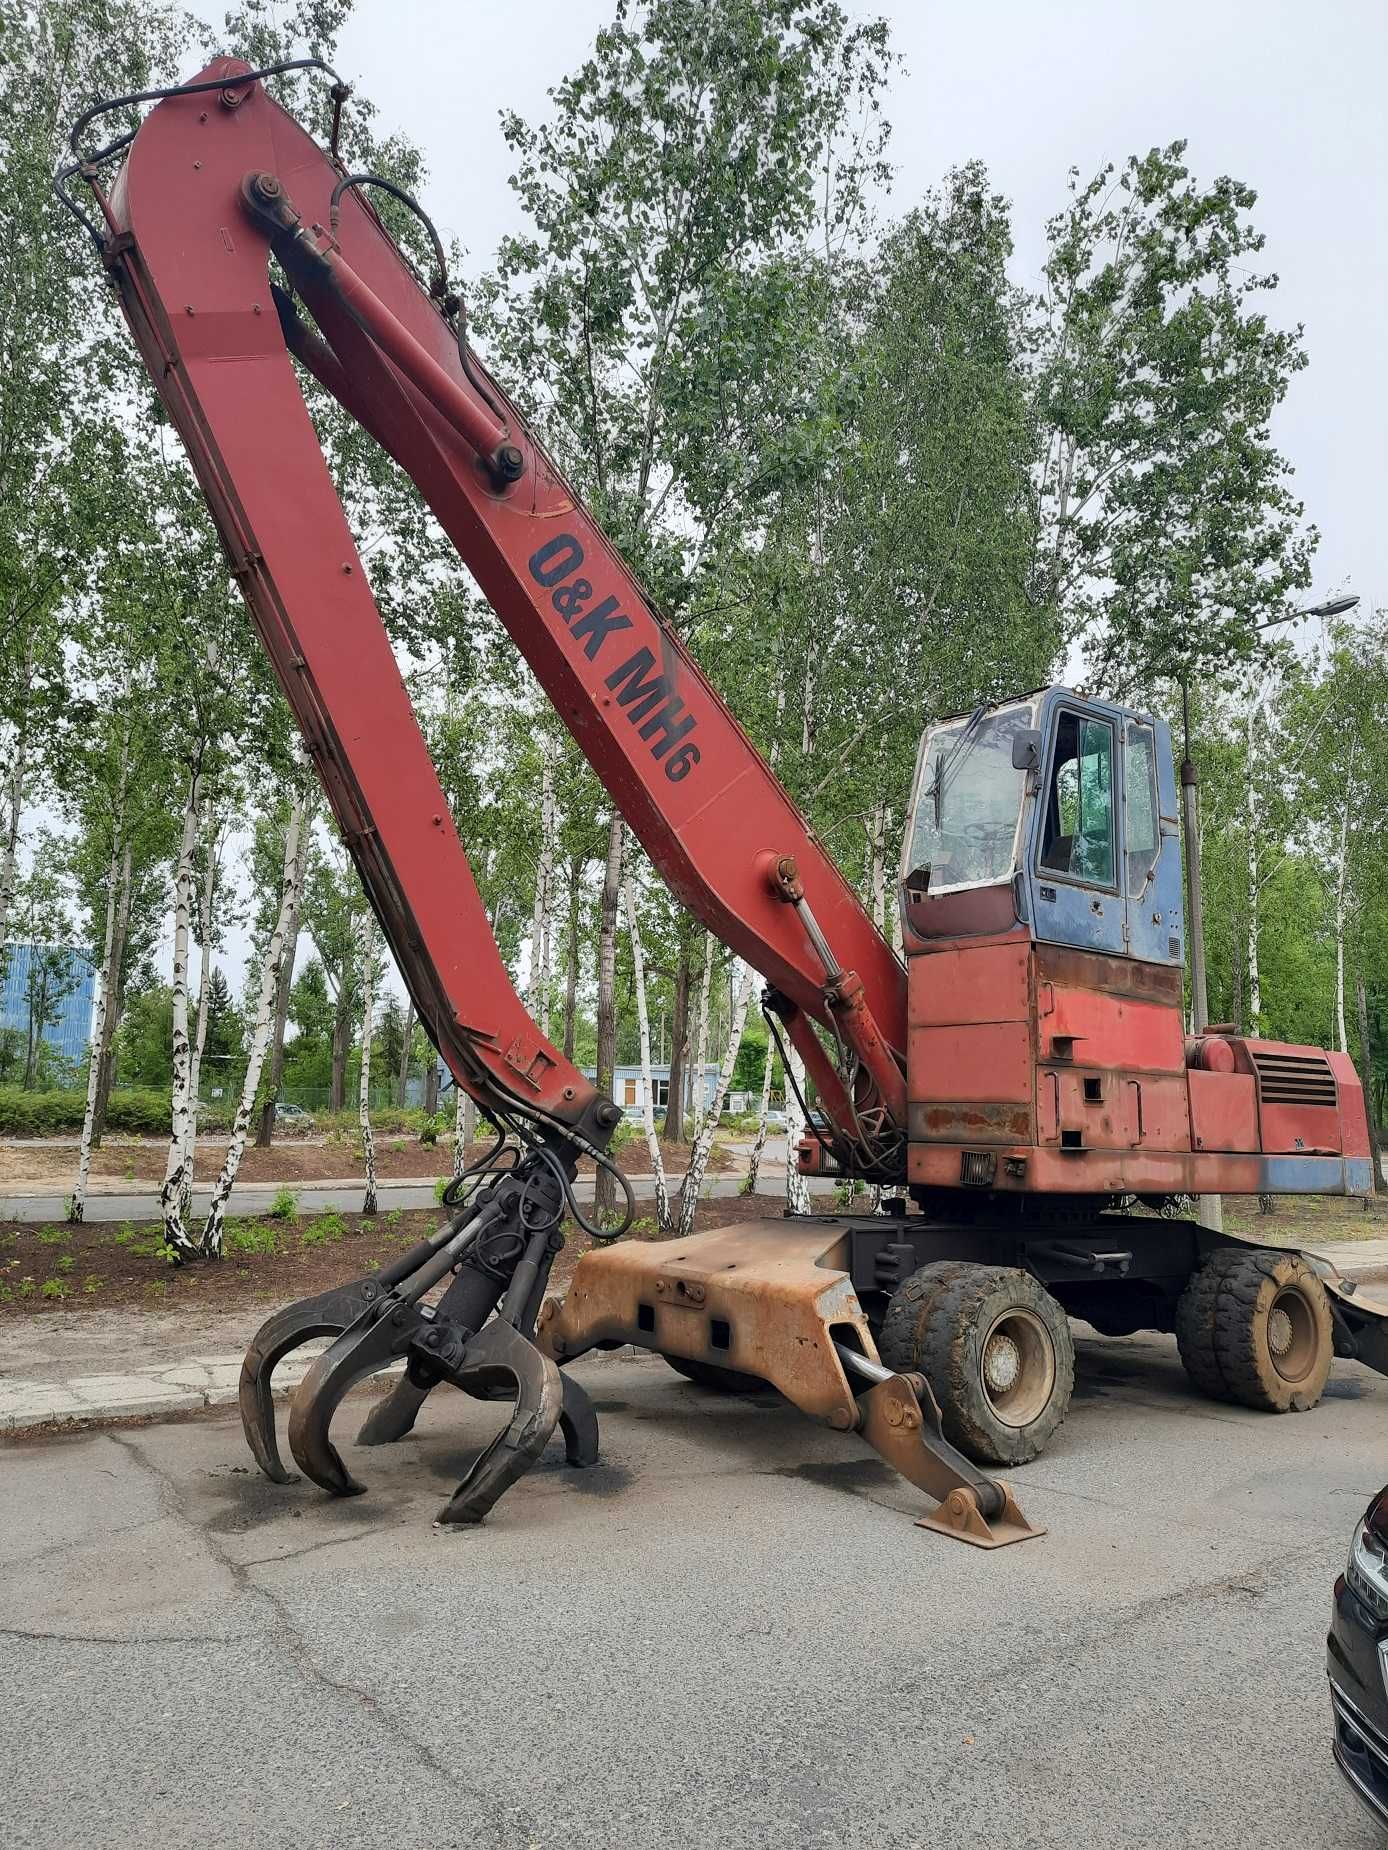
(729, 1630)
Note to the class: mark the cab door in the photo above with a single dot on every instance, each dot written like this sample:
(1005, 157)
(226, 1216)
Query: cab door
(1075, 868)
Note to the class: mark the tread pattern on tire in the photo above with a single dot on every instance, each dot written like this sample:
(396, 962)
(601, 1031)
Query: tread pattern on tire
(1216, 1323)
(927, 1327)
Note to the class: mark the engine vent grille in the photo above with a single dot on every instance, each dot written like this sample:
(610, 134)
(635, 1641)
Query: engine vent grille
(1294, 1078)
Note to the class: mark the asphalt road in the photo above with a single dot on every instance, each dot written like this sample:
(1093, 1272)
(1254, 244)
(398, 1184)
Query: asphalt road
(728, 1633)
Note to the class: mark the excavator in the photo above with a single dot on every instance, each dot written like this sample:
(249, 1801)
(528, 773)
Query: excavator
(1020, 1080)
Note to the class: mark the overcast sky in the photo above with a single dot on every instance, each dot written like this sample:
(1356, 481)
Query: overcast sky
(1287, 97)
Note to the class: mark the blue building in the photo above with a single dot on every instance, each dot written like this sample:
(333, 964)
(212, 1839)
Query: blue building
(69, 1033)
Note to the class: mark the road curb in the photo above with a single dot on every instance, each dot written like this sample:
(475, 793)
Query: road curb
(141, 1393)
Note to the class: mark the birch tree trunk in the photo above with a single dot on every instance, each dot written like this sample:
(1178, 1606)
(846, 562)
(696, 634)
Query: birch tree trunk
(14, 799)
(700, 1087)
(540, 935)
(605, 1189)
(190, 1144)
(303, 809)
(643, 1022)
(368, 1006)
(176, 1235)
(797, 1185)
(877, 838)
(678, 1084)
(703, 1143)
(271, 970)
(106, 1050)
(77, 1203)
(759, 1141)
(402, 1078)
(571, 971)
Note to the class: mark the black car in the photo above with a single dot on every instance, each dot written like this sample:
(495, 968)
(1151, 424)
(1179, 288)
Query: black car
(1358, 1652)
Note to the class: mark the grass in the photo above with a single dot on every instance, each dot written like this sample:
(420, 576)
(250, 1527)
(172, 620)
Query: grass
(250, 1236)
(322, 1228)
(53, 1236)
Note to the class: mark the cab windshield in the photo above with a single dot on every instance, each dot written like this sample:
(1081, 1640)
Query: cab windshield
(968, 801)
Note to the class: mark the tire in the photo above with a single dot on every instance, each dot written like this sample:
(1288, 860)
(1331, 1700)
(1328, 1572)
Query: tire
(718, 1380)
(947, 1318)
(1255, 1329)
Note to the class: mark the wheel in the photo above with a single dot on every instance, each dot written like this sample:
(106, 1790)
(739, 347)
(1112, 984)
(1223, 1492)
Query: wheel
(1255, 1328)
(710, 1375)
(996, 1349)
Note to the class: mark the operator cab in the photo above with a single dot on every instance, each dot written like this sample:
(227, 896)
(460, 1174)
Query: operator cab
(1053, 814)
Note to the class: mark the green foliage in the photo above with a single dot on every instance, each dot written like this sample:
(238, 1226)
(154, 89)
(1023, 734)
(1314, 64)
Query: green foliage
(1167, 528)
(41, 1114)
(251, 1236)
(53, 1288)
(322, 1229)
(429, 1130)
(53, 1236)
(284, 1206)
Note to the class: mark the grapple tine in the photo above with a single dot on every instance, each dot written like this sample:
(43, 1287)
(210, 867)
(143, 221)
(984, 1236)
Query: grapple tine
(328, 1314)
(497, 1354)
(579, 1425)
(395, 1413)
(380, 1335)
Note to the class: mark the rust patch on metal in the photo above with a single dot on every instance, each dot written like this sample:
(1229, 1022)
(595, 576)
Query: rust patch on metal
(964, 1122)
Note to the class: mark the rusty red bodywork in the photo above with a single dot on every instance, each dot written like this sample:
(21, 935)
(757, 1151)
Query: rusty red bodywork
(1070, 1072)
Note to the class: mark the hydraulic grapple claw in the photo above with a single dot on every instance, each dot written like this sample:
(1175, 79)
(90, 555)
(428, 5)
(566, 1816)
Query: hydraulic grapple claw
(379, 1337)
(500, 1356)
(328, 1314)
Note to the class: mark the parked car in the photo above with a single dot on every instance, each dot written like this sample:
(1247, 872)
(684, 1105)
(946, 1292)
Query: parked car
(293, 1117)
(775, 1119)
(1358, 1661)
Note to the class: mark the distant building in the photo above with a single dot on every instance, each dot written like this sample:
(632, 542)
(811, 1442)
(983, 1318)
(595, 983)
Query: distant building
(629, 1092)
(70, 1032)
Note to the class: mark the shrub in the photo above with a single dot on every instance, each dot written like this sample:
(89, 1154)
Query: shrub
(284, 1206)
(53, 1288)
(429, 1131)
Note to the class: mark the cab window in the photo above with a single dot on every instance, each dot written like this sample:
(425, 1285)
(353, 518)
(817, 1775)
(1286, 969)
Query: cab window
(1142, 833)
(1078, 839)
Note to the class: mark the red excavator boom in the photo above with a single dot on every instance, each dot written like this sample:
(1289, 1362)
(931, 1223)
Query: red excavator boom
(219, 182)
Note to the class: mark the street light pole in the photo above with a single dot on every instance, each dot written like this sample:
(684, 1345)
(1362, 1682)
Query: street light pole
(1209, 1209)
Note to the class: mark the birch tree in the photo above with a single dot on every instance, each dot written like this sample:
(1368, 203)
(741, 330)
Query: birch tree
(177, 1237)
(605, 1188)
(368, 1001)
(271, 969)
(703, 1143)
(643, 1022)
(105, 993)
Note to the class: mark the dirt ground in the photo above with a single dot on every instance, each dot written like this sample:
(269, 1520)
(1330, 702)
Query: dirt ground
(34, 1168)
(107, 1265)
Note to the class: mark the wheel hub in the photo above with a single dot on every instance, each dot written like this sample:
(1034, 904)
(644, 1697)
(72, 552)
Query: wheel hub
(1279, 1332)
(1002, 1363)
